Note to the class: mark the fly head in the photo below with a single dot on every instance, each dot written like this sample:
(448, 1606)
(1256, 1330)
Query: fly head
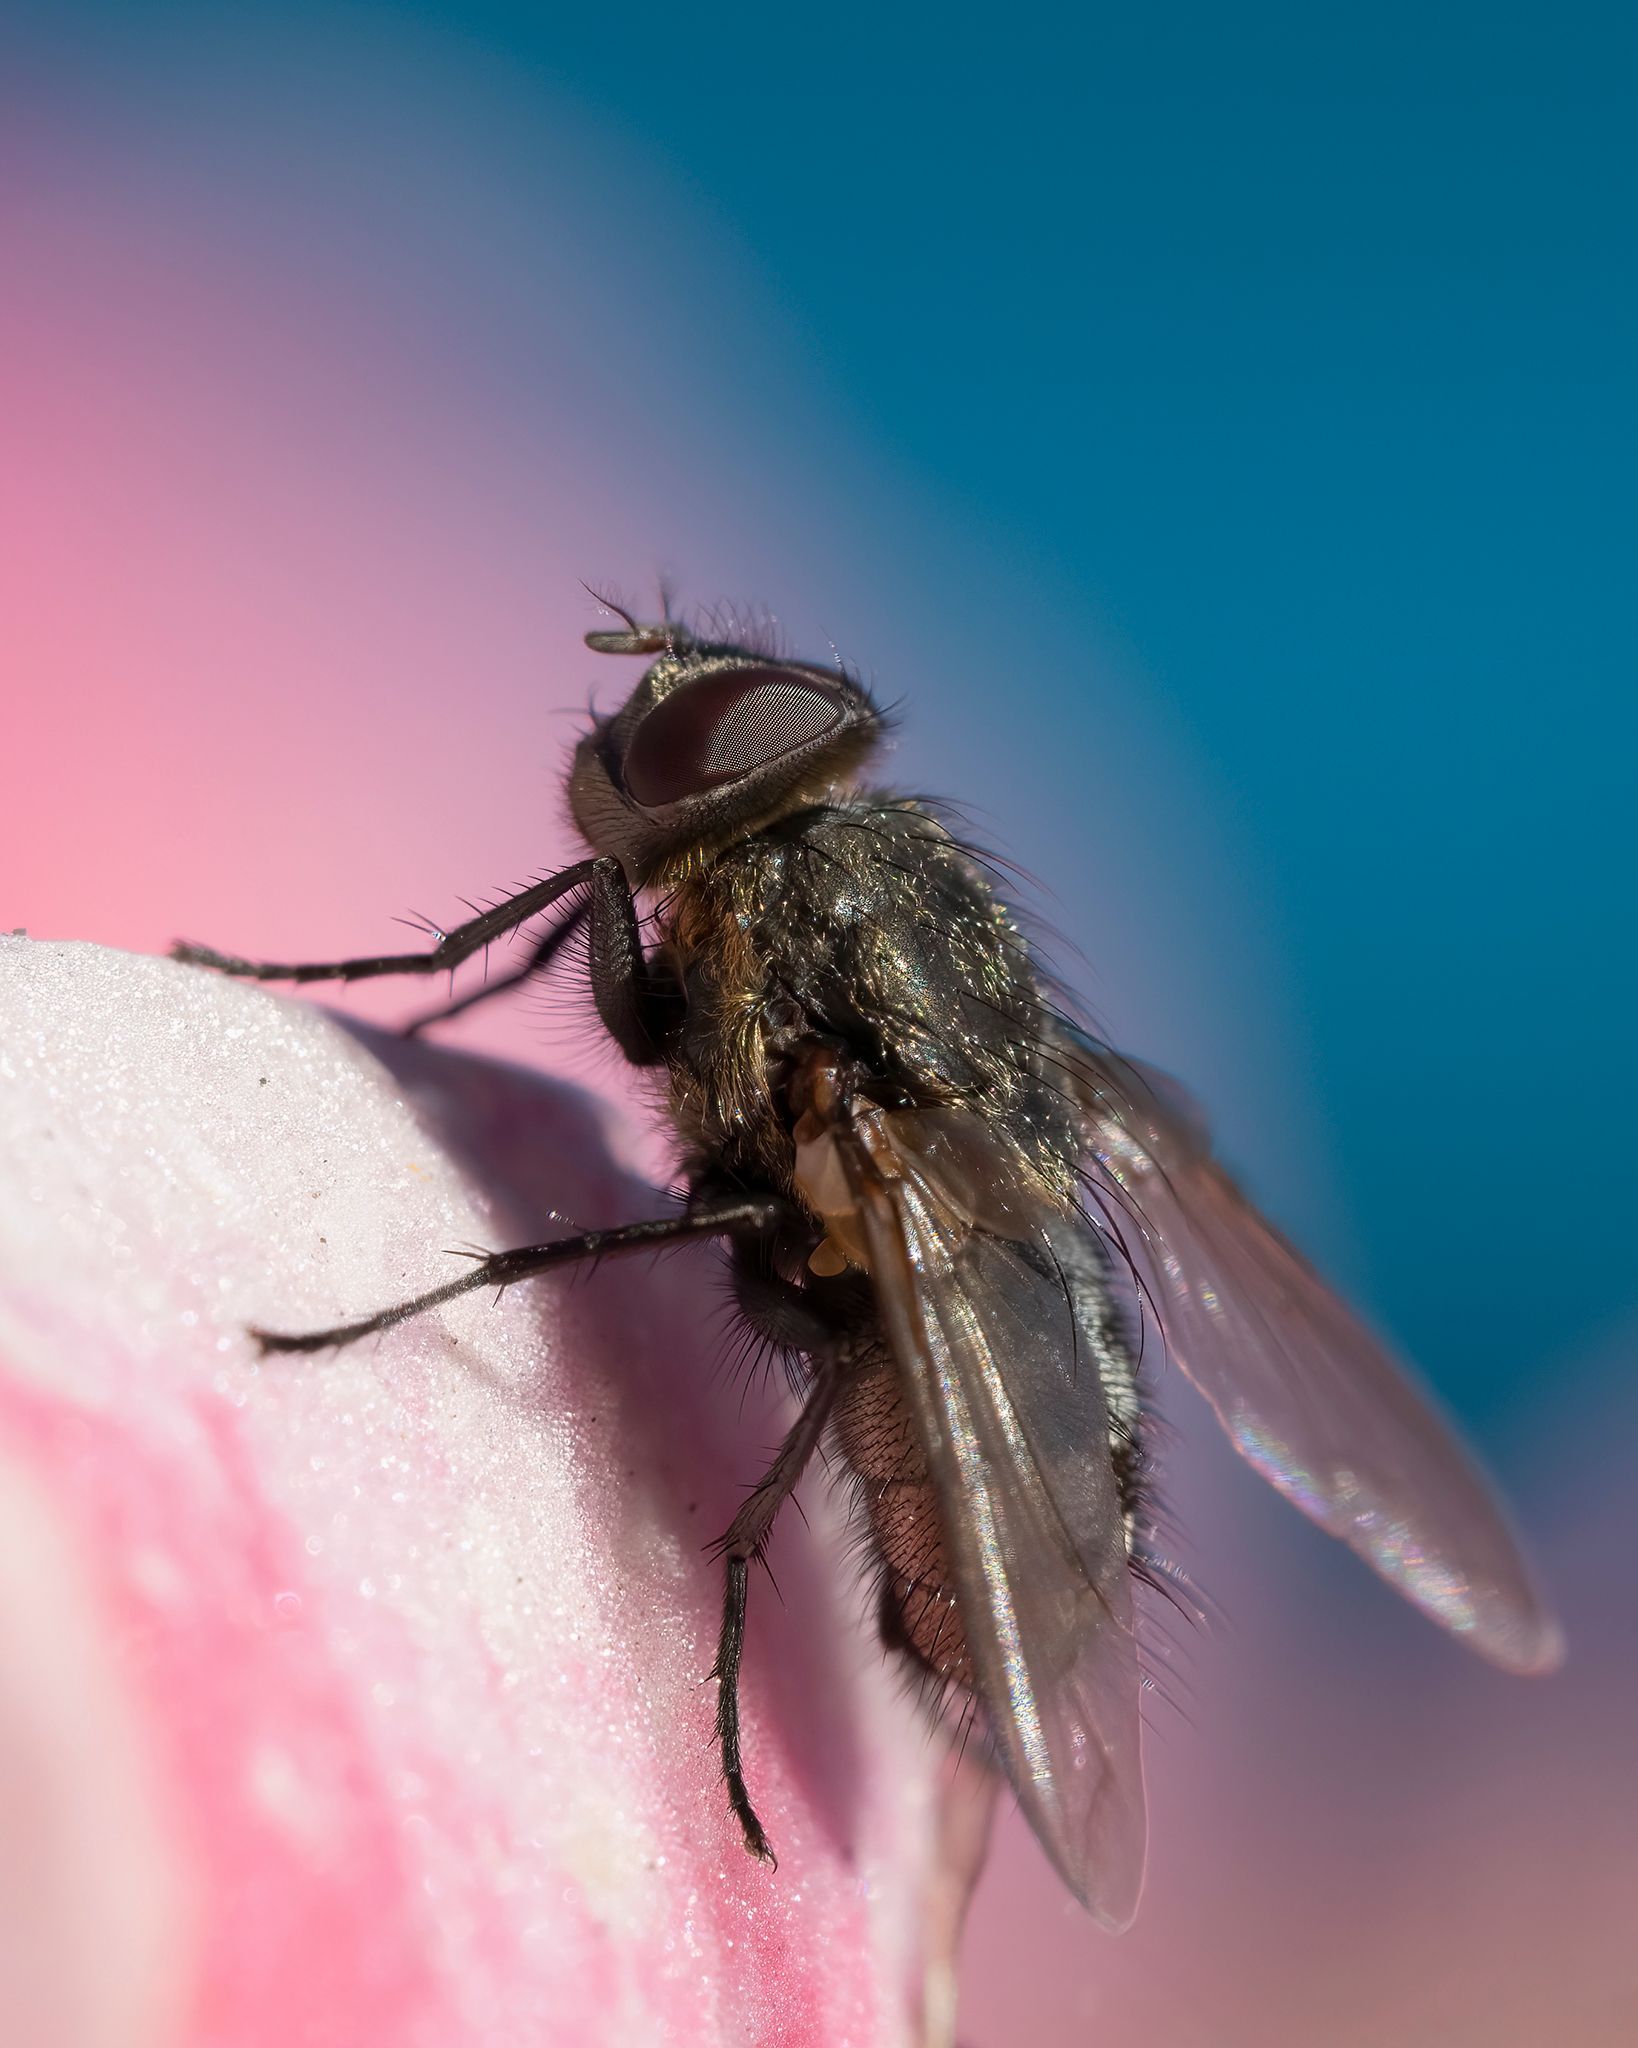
(714, 743)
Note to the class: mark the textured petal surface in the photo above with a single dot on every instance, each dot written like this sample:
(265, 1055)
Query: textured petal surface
(361, 1698)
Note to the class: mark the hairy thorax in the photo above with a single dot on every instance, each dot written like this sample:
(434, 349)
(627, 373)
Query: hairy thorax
(864, 925)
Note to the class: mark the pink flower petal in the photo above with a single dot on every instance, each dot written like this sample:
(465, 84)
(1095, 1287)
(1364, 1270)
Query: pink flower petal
(360, 1699)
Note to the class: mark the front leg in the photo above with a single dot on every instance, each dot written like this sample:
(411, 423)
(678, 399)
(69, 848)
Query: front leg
(451, 948)
(640, 1008)
(546, 951)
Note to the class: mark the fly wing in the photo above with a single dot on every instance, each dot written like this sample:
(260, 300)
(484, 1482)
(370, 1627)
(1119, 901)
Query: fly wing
(1307, 1394)
(997, 1320)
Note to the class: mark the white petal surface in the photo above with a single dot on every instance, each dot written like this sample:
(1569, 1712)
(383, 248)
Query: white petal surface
(409, 1642)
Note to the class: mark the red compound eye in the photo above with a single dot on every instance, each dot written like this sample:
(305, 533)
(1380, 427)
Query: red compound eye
(715, 730)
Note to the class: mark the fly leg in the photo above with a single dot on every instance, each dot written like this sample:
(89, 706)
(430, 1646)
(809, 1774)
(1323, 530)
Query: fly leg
(638, 1002)
(537, 963)
(716, 1217)
(639, 1006)
(744, 1541)
(449, 951)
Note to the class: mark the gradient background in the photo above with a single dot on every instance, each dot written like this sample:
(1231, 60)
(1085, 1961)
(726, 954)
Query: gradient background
(1220, 429)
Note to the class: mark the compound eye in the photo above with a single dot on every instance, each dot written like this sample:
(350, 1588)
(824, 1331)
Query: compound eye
(722, 727)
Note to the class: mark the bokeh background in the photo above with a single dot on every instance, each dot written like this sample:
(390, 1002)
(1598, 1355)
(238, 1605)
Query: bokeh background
(1218, 427)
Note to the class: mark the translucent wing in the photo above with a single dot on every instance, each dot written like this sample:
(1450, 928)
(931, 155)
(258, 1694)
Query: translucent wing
(997, 1309)
(1308, 1395)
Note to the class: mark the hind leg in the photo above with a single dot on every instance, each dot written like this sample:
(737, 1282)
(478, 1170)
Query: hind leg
(744, 1541)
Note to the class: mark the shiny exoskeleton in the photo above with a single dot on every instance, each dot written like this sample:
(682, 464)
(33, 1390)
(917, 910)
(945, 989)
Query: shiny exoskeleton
(960, 1218)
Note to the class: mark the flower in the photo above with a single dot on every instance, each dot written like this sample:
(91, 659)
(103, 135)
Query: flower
(362, 1697)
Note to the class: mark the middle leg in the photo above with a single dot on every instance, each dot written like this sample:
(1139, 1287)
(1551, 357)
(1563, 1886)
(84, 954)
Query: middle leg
(716, 1216)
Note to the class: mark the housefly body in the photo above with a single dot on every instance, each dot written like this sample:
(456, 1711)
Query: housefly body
(963, 1217)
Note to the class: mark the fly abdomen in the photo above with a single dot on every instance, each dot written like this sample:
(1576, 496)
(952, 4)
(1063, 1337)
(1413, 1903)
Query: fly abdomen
(896, 1496)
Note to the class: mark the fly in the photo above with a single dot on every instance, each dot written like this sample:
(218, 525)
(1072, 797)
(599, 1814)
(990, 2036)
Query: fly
(962, 1217)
